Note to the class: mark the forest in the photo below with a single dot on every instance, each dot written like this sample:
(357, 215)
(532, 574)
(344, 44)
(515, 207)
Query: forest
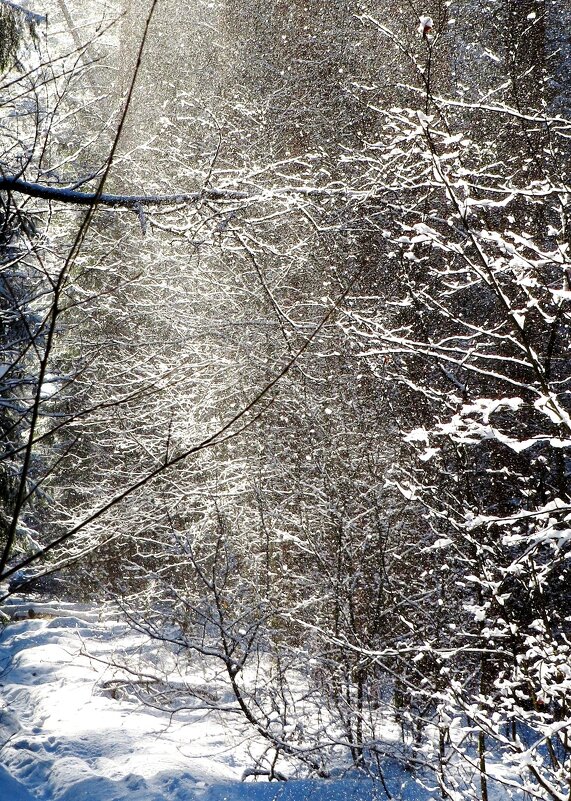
(285, 376)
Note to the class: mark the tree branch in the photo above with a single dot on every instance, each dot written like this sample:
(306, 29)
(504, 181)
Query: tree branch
(30, 16)
(73, 196)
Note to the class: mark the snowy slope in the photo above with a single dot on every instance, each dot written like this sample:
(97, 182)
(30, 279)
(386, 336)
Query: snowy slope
(66, 738)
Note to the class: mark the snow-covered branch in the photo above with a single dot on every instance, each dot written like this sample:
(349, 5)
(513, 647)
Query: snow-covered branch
(78, 198)
(30, 16)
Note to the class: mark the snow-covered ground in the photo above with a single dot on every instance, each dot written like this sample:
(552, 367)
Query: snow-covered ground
(77, 723)
(68, 734)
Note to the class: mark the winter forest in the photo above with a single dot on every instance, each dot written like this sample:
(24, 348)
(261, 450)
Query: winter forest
(285, 394)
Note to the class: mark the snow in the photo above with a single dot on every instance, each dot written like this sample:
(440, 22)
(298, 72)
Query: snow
(73, 729)
(66, 738)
